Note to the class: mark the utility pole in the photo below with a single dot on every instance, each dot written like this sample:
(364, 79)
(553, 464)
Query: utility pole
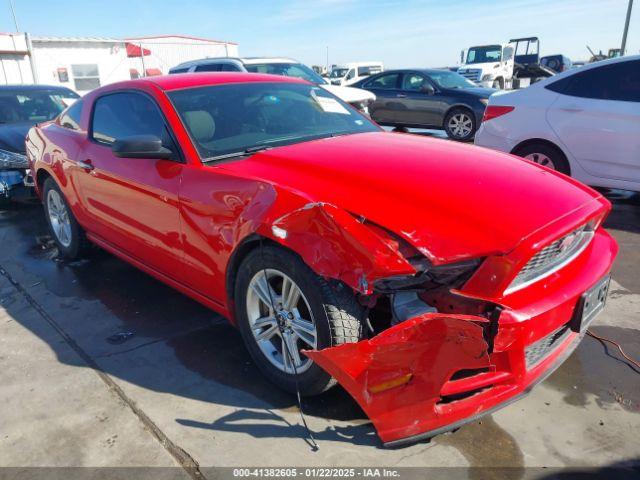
(13, 12)
(626, 28)
(327, 58)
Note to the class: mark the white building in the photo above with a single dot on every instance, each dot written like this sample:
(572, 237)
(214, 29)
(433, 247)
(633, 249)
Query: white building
(166, 51)
(83, 64)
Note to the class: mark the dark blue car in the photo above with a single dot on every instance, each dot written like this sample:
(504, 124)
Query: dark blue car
(21, 107)
(427, 98)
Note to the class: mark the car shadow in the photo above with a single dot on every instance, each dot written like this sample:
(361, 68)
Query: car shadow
(207, 361)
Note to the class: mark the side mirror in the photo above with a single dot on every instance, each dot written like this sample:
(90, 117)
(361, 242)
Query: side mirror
(141, 146)
(428, 89)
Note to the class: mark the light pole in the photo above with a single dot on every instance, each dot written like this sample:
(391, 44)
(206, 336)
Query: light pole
(626, 28)
(15, 22)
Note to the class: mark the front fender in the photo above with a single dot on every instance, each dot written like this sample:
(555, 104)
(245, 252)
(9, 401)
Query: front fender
(336, 245)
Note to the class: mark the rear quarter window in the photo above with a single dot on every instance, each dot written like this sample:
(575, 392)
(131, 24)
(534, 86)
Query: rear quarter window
(618, 81)
(70, 118)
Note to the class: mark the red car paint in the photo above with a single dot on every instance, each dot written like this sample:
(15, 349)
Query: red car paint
(188, 224)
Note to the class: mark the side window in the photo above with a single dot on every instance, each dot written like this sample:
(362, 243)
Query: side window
(70, 118)
(364, 71)
(351, 74)
(619, 81)
(121, 115)
(413, 82)
(179, 70)
(208, 67)
(229, 67)
(388, 81)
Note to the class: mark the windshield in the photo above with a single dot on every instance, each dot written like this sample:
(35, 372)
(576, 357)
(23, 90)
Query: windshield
(33, 105)
(446, 79)
(227, 120)
(296, 70)
(338, 72)
(489, 54)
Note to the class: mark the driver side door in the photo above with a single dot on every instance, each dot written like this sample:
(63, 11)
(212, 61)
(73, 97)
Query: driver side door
(132, 203)
(420, 101)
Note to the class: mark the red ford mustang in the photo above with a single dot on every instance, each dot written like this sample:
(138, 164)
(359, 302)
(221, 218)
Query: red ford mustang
(435, 281)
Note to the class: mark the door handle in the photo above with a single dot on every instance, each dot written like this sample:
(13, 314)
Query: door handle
(85, 165)
(401, 95)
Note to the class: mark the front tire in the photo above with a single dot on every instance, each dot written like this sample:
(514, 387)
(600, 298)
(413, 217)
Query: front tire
(309, 313)
(460, 124)
(498, 83)
(65, 229)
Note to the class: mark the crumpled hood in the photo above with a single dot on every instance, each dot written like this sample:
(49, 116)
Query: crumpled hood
(12, 136)
(451, 201)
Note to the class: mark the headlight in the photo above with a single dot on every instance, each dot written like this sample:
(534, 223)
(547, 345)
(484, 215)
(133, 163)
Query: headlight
(488, 76)
(12, 160)
(484, 101)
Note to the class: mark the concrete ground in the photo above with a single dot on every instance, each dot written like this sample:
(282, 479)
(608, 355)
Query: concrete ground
(100, 365)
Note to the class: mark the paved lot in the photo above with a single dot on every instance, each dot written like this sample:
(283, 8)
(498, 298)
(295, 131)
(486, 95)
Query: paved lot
(100, 365)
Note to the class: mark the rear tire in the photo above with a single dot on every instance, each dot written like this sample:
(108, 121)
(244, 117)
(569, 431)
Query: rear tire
(460, 124)
(65, 230)
(545, 155)
(336, 317)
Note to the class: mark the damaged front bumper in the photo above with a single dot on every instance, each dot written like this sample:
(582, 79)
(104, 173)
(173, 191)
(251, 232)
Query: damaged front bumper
(437, 371)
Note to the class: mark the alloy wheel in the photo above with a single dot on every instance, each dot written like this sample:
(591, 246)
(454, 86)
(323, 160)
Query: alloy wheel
(281, 320)
(541, 159)
(59, 217)
(460, 125)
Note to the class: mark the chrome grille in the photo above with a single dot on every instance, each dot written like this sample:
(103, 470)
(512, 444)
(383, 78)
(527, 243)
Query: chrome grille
(553, 257)
(472, 74)
(538, 351)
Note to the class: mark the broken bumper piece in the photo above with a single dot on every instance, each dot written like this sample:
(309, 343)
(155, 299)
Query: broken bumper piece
(433, 373)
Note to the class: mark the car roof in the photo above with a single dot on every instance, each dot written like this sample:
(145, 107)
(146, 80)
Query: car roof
(178, 81)
(33, 87)
(426, 71)
(243, 60)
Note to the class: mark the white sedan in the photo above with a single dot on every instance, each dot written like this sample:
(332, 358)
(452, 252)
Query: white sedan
(583, 122)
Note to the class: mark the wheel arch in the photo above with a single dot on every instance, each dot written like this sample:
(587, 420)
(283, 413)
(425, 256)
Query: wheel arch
(41, 176)
(250, 243)
(543, 141)
(458, 106)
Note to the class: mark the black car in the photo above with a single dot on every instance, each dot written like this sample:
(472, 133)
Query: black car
(21, 107)
(427, 98)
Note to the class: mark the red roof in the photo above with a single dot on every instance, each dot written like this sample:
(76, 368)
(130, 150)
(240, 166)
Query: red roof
(200, 39)
(187, 80)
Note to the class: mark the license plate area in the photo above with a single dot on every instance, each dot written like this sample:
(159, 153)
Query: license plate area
(590, 305)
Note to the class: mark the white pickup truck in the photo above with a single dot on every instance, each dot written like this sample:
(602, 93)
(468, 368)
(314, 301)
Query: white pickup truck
(508, 66)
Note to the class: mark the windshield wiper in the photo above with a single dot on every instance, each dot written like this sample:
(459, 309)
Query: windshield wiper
(246, 152)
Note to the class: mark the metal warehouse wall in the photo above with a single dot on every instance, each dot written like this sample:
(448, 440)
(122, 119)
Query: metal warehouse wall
(14, 60)
(167, 52)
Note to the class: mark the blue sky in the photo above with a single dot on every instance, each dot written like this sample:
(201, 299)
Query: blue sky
(397, 32)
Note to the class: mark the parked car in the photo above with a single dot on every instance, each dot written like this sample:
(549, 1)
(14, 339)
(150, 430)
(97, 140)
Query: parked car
(584, 122)
(401, 266)
(21, 107)
(557, 63)
(360, 99)
(351, 73)
(427, 98)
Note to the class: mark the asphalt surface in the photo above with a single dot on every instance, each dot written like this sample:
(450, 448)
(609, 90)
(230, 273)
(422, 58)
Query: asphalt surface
(101, 365)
